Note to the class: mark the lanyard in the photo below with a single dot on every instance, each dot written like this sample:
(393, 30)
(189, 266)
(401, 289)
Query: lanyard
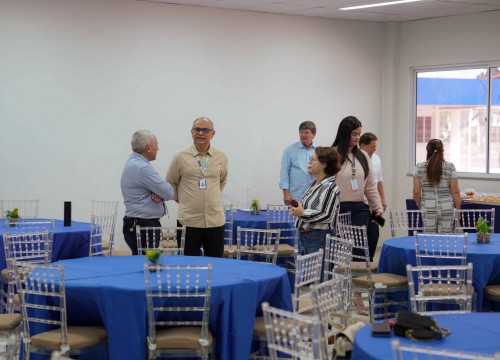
(202, 169)
(353, 167)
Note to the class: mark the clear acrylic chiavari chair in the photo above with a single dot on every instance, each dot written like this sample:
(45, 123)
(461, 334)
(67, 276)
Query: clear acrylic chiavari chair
(27, 209)
(405, 222)
(178, 302)
(299, 336)
(102, 227)
(257, 244)
(377, 290)
(168, 240)
(449, 287)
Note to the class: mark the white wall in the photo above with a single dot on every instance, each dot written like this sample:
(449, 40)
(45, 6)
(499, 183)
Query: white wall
(78, 77)
(451, 40)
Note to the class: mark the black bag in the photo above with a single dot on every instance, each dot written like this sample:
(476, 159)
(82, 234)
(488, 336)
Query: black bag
(418, 327)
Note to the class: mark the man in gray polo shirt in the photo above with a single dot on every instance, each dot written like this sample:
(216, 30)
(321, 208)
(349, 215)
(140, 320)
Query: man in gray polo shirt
(143, 189)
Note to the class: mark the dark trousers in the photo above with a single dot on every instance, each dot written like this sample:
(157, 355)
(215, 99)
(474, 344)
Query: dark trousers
(373, 235)
(129, 232)
(360, 215)
(211, 239)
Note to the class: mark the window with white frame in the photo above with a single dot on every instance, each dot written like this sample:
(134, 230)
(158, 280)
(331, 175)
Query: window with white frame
(462, 108)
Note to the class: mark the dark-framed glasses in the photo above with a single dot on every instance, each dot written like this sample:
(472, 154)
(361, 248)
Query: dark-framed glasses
(201, 130)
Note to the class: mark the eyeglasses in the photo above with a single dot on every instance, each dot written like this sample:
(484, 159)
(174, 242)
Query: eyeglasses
(201, 130)
(312, 159)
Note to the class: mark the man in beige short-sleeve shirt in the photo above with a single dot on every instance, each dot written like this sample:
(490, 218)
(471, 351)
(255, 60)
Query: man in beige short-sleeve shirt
(198, 175)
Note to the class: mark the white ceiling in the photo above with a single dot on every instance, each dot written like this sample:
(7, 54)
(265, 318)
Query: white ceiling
(330, 8)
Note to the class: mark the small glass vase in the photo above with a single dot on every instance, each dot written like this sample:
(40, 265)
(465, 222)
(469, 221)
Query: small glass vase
(483, 238)
(12, 222)
(154, 265)
(255, 210)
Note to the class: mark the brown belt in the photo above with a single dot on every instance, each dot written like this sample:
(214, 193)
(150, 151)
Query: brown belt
(307, 230)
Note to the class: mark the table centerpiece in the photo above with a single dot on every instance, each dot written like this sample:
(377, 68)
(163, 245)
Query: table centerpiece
(483, 231)
(154, 258)
(255, 207)
(12, 216)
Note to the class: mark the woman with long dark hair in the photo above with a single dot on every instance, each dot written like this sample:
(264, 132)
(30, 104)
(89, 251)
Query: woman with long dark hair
(358, 188)
(435, 189)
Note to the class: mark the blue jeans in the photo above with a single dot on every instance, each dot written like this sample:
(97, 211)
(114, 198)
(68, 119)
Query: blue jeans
(314, 240)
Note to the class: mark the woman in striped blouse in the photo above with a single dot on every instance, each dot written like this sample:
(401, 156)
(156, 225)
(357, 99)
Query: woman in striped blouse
(317, 211)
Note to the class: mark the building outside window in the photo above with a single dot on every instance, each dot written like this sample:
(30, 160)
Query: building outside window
(462, 108)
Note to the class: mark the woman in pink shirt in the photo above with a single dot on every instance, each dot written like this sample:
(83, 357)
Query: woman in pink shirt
(358, 188)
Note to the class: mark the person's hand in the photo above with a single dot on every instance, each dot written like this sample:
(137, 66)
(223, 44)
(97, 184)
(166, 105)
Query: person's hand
(379, 212)
(287, 198)
(155, 197)
(297, 211)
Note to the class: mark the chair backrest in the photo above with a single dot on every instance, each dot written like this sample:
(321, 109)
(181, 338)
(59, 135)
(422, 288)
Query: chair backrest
(344, 219)
(406, 222)
(257, 244)
(228, 227)
(433, 248)
(279, 217)
(338, 256)
(307, 273)
(294, 334)
(24, 226)
(27, 208)
(357, 235)
(178, 296)
(102, 227)
(419, 352)
(466, 219)
(168, 240)
(441, 285)
(36, 283)
(337, 262)
(27, 247)
(330, 305)
(238, 198)
(279, 214)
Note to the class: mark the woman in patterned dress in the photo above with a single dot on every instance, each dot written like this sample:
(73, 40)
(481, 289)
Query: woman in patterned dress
(435, 189)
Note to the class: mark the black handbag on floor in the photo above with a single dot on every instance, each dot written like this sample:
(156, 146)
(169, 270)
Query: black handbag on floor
(418, 327)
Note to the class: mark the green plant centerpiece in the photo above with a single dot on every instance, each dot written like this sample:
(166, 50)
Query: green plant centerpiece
(12, 215)
(153, 256)
(483, 231)
(255, 207)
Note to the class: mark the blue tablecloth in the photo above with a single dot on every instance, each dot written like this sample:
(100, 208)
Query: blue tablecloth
(398, 252)
(111, 291)
(474, 332)
(246, 220)
(69, 242)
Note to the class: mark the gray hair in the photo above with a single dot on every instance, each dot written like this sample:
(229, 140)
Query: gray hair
(140, 140)
(206, 119)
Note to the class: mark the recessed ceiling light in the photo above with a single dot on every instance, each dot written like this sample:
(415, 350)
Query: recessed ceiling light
(378, 4)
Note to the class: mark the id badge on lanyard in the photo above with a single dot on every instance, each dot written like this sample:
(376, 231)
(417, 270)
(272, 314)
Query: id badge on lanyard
(354, 182)
(202, 183)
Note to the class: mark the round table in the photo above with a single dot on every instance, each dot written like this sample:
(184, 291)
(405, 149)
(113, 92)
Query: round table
(110, 291)
(70, 242)
(474, 332)
(398, 252)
